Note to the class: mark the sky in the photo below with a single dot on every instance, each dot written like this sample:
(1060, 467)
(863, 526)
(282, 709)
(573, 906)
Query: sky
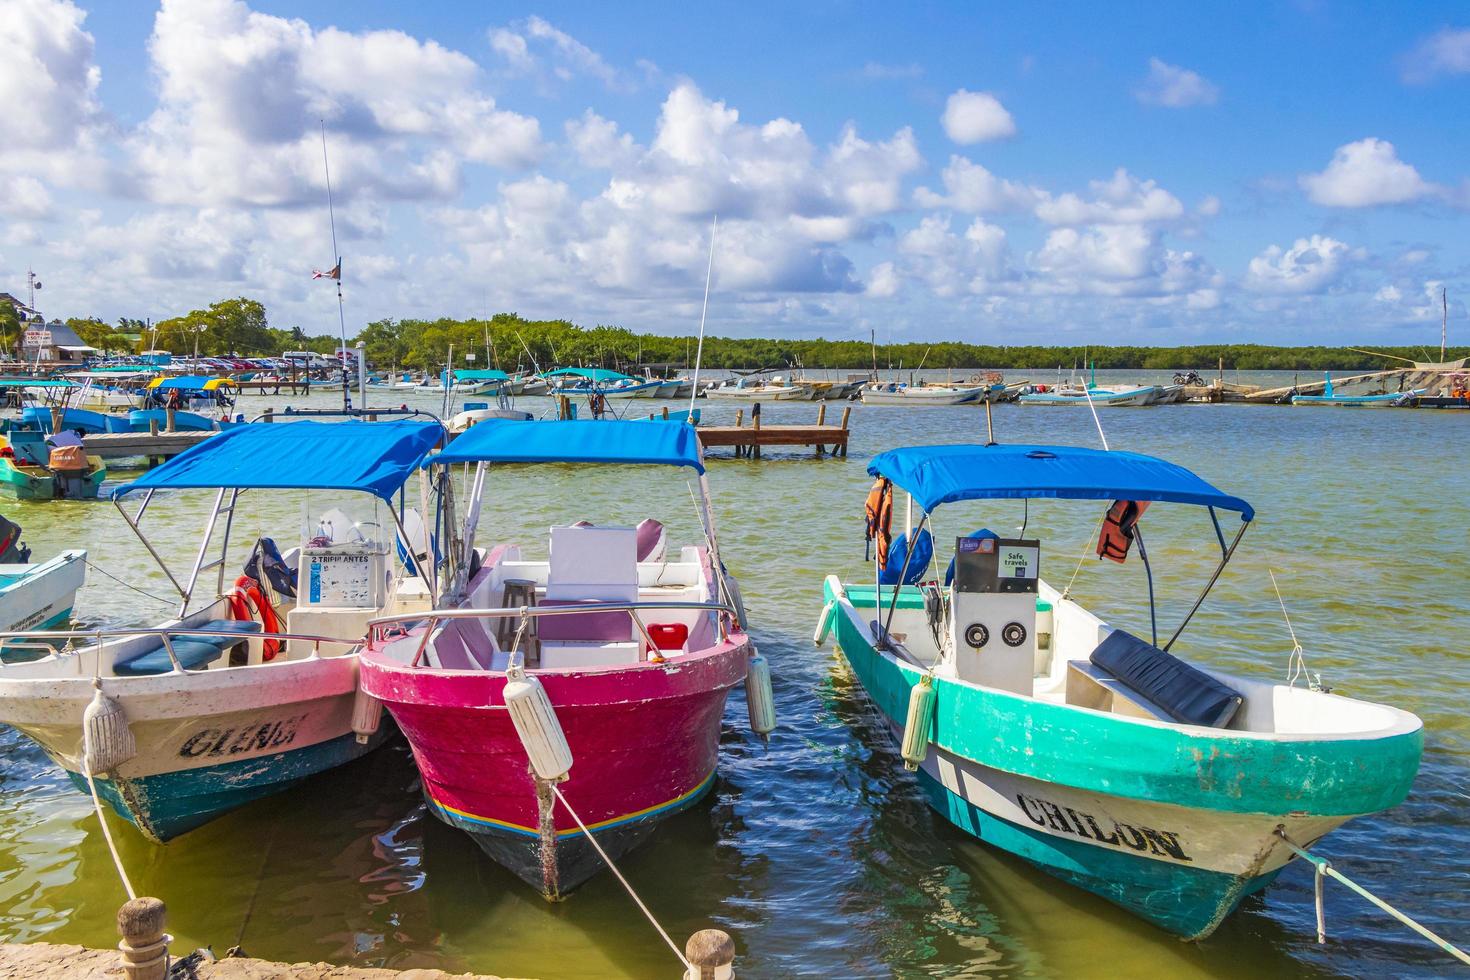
(1062, 173)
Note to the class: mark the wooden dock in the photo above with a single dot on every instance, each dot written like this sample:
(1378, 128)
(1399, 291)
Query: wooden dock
(121, 445)
(748, 439)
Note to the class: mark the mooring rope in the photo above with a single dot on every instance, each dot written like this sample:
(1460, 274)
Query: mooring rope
(1325, 868)
(1296, 665)
(614, 869)
(1086, 547)
(98, 568)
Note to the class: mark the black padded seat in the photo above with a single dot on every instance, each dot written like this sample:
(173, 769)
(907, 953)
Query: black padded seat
(1184, 693)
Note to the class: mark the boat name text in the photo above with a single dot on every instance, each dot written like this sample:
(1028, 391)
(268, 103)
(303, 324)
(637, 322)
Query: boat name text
(1064, 819)
(236, 741)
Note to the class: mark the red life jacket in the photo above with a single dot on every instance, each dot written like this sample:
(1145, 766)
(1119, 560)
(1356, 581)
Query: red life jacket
(878, 515)
(1117, 529)
(246, 601)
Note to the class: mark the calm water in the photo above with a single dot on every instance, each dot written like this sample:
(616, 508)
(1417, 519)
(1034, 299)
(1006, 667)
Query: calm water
(815, 852)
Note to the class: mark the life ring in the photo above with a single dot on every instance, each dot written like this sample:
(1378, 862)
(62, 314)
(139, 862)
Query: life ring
(247, 601)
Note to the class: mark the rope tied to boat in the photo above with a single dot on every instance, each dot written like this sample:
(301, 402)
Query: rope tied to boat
(689, 968)
(1324, 869)
(98, 568)
(107, 743)
(1296, 664)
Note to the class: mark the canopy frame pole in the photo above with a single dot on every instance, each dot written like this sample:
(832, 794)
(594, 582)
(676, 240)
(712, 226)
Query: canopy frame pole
(1224, 560)
(1219, 534)
(188, 592)
(1153, 615)
(408, 546)
(707, 512)
(903, 573)
(224, 548)
(472, 510)
(133, 523)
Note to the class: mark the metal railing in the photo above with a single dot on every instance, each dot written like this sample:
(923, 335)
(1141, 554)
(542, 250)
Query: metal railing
(38, 639)
(377, 628)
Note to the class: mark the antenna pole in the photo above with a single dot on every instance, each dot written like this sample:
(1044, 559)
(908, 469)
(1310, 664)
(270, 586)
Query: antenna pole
(1444, 320)
(699, 352)
(341, 313)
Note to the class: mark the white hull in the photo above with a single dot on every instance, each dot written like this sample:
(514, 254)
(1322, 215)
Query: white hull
(924, 396)
(40, 594)
(785, 393)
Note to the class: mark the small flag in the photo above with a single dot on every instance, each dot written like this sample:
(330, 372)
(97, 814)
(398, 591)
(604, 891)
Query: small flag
(333, 273)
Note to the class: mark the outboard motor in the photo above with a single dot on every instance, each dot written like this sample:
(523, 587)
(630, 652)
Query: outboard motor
(12, 550)
(993, 611)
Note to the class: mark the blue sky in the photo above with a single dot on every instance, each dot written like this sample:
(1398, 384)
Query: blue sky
(1068, 173)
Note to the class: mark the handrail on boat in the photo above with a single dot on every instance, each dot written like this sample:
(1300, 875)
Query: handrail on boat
(37, 639)
(431, 618)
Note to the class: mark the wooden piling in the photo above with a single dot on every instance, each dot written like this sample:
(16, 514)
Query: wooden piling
(845, 413)
(711, 955)
(755, 420)
(169, 412)
(144, 943)
(270, 414)
(56, 419)
(153, 426)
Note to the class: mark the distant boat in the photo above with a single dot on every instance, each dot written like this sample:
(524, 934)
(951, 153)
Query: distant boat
(921, 395)
(751, 390)
(36, 466)
(1332, 398)
(1102, 396)
(39, 595)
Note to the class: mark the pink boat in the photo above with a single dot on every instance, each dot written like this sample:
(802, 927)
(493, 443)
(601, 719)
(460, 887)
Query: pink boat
(636, 649)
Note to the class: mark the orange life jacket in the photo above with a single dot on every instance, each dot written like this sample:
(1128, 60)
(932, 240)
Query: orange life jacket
(247, 594)
(1117, 529)
(878, 513)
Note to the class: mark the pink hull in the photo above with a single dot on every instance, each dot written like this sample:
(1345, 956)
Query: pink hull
(644, 741)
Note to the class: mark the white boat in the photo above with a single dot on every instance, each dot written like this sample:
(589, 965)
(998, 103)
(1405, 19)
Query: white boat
(748, 390)
(250, 689)
(1121, 396)
(473, 416)
(36, 595)
(887, 393)
(1105, 759)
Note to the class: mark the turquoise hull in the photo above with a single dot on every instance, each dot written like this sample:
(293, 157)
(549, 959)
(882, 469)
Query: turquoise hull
(1173, 824)
(165, 805)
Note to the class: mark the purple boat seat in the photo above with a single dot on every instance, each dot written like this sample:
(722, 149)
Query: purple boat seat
(594, 627)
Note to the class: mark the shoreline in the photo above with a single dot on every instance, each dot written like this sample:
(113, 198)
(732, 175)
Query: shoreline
(55, 961)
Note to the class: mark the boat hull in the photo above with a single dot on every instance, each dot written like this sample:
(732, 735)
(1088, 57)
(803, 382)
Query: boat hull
(207, 741)
(40, 596)
(1174, 824)
(644, 742)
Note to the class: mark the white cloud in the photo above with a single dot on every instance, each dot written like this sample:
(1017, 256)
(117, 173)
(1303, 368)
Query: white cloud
(48, 81)
(1121, 199)
(975, 117)
(1388, 294)
(883, 281)
(1446, 52)
(1311, 265)
(970, 187)
(1363, 174)
(24, 197)
(976, 262)
(564, 56)
(1175, 87)
(241, 93)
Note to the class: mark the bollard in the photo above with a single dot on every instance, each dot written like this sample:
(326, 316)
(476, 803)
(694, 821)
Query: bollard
(739, 418)
(711, 955)
(144, 943)
(270, 414)
(153, 427)
(821, 413)
(169, 413)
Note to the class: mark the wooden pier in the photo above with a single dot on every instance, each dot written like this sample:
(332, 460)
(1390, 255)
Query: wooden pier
(748, 439)
(154, 445)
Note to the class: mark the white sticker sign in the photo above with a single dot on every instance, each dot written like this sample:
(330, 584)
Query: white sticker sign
(339, 580)
(37, 338)
(1018, 562)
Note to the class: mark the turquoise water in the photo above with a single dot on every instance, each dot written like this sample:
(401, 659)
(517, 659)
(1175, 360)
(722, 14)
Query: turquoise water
(816, 851)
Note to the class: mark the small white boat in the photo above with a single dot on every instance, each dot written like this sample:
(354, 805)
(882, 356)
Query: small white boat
(473, 416)
(1122, 396)
(887, 393)
(251, 689)
(748, 390)
(36, 595)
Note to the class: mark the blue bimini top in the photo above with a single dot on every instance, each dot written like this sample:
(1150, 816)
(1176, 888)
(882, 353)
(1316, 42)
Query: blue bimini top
(591, 374)
(373, 457)
(935, 475)
(576, 441)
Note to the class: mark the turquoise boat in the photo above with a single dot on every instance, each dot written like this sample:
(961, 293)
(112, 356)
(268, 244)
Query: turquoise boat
(1162, 785)
(1331, 398)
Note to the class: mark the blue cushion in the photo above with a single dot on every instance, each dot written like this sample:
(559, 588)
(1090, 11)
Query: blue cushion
(984, 532)
(898, 552)
(1187, 695)
(193, 651)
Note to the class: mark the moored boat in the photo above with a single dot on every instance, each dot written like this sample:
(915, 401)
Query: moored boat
(36, 595)
(1102, 758)
(635, 649)
(248, 689)
(36, 466)
(888, 393)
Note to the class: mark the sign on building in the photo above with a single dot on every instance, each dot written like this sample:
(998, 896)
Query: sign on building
(37, 338)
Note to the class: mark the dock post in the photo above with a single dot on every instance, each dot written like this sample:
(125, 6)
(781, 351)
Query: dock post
(821, 419)
(56, 418)
(846, 411)
(755, 420)
(666, 413)
(711, 955)
(170, 415)
(144, 943)
(739, 418)
(270, 414)
(153, 427)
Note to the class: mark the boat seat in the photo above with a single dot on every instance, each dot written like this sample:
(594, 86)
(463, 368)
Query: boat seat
(1184, 693)
(193, 651)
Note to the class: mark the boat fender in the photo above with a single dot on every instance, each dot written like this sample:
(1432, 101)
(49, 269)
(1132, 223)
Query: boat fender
(918, 722)
(107, 741)
(824, 624)
(758, 696)
(537, 725)
(367, 714)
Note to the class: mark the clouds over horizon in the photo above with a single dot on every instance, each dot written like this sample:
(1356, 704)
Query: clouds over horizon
(439, 164)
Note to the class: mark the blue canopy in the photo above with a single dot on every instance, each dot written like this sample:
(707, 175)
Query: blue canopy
(479, 374)
(190, 382)
(936, 475)
(373, 457)
(591, 374)
(576, 441)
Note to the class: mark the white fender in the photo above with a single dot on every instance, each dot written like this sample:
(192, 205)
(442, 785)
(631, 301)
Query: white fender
(107, 741)
(917, 723)
(824, 624)
(537, 725)
(758, 696)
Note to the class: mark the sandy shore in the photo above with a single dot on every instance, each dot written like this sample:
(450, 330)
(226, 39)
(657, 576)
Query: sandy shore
(45, 961)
